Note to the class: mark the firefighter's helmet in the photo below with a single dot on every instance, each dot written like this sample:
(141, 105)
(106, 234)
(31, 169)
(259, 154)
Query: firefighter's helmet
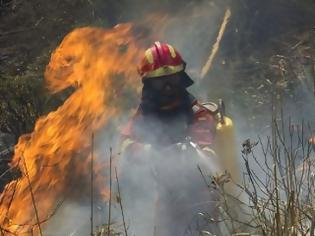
(162, 60)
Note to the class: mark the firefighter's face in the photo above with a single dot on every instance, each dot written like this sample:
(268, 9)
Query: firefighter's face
(168, 89)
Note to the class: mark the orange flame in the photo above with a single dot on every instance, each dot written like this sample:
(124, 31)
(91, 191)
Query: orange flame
(100, 64)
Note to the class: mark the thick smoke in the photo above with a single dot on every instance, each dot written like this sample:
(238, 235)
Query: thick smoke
(192, 29)
(163, 190)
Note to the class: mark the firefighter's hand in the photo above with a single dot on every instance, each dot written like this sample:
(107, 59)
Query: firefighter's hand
(182, 146)
(140, 147)
(133, 147)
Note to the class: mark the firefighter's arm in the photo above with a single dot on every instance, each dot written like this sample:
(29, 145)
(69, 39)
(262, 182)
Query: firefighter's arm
(129, 142)
(131, 145)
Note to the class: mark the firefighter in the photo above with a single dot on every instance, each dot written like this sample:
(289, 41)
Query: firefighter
(166, 101)
(168, 114)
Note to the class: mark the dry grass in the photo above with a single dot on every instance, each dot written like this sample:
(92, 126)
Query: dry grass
(102, 231)
(277, 194)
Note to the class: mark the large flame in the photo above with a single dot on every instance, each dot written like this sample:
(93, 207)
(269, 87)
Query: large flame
(100, 64)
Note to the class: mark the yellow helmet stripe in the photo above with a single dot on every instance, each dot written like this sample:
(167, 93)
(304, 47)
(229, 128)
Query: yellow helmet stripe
(149, 56)
(165, 70)
(172, 51)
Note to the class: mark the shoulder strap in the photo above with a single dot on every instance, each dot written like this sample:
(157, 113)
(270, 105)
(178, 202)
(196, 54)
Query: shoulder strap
(211, 106)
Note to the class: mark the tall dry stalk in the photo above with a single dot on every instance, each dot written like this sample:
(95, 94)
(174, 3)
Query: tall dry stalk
(110, 192)
(120, 203)
(92, 183)
(205, 69)
(32, 196)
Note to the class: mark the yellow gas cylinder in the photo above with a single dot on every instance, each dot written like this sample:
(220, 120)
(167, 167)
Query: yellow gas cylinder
(225, 145)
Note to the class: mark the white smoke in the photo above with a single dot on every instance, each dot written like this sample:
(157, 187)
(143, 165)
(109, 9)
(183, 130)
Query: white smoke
(191, 30)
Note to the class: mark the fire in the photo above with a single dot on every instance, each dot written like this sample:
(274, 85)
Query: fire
(100, 64)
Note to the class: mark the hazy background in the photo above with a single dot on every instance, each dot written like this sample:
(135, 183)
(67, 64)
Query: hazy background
(267, 51)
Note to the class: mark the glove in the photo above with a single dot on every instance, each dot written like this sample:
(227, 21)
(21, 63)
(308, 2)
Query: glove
(131, 146)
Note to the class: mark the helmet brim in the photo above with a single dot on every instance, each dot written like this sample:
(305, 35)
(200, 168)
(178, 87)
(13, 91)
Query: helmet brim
(187, 81)
(185, 78)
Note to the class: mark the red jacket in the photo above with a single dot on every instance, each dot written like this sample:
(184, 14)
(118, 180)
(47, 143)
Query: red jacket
(201, 130)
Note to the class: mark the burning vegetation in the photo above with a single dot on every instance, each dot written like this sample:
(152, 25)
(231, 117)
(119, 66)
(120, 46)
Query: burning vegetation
(54, 158)
(97, 66)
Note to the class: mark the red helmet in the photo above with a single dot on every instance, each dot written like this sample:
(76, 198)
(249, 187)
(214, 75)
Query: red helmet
(161, 60)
